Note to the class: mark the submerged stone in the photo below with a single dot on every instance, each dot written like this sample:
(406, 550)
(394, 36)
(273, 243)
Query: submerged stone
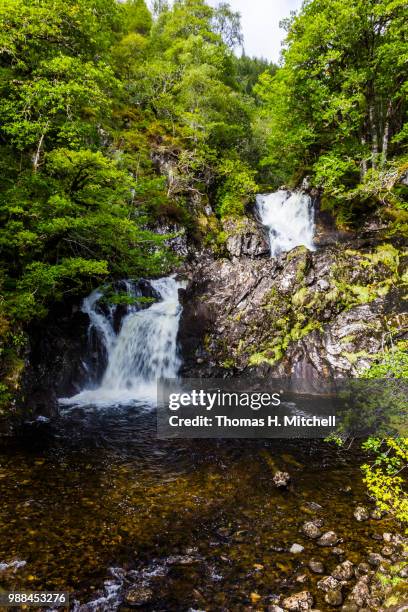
(361, 513)
(316, 567)
(138, 596)
(311, 530)
(296, 549)
(281, 479)
(344, 571)
(328, 584)
(328, 539)
(334, 598)
(298, 602)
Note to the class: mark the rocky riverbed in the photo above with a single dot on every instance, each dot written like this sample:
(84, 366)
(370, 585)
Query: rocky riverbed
(97, 506)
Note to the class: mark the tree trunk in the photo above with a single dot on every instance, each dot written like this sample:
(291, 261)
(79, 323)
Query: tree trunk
(374, 135)
(363, 167)
(386, 135)
(37, 155)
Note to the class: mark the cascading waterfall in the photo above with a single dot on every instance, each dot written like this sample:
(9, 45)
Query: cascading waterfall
(144, 350)
(289, 219)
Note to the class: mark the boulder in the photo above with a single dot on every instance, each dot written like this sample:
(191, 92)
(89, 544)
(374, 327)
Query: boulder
(245, 237)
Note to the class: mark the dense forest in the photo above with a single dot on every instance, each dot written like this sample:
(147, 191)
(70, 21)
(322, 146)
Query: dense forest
(98, 96)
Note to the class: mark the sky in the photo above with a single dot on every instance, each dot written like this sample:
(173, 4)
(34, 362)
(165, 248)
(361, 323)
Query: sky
(260, 24)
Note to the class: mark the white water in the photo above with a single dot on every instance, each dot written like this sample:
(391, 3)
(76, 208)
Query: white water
(289, 219)
(144, 350)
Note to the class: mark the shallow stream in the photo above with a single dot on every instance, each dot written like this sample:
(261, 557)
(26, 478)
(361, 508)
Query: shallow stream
(94, 504)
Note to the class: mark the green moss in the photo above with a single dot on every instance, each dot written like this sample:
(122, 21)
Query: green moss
(300, 250)
(347, 339)
(228, 363)
(354, 357)
(300, 297)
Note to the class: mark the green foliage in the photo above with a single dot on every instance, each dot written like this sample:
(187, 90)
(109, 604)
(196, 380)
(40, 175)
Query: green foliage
(385, 475)
(337, 108)
(237, 189)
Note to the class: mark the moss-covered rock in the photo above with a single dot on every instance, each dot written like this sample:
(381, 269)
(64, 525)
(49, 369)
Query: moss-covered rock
(303, 314)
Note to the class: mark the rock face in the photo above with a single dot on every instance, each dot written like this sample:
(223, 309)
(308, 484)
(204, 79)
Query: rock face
(55, 360)
(245, 239)
(302, 315)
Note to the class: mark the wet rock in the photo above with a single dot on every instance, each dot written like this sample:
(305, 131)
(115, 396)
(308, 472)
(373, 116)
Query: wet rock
(328, 539)
(274, 608)
(182, 560)
(359, 593)
(245, 238)
(344, 571)
(404, 572)
(323, 284)
(312, 506)
(316, 567)
(387, 537)
(295, 549)
(361, 513)
(138, 596)
(328, 584)
(337, 551)
(281, 479)
(298, 602)
(277, 548)
(302, 578)
(334, 598)
(374, 559)
(311, 529)
(387, 551)
(362, 569)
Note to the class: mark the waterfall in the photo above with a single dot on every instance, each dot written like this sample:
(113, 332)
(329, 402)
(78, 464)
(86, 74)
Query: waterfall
(143, 350)
(289, 219)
